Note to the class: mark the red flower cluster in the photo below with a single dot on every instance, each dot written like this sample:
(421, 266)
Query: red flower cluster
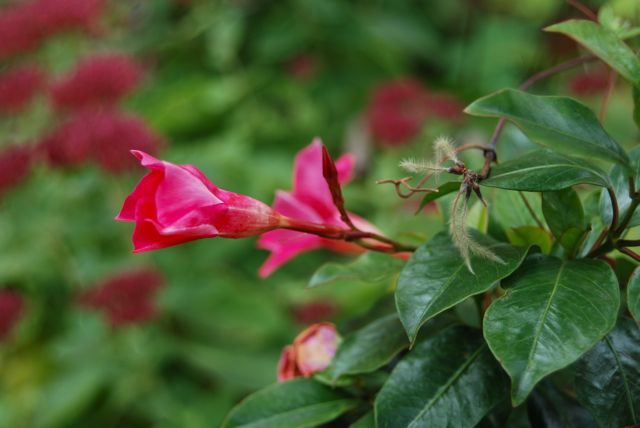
(15, 164)
(398, 110)
(25, 25)
(126, 298)
(311, 352)
(97, 81)
(19, 86)
(104, 136)
(11, 310)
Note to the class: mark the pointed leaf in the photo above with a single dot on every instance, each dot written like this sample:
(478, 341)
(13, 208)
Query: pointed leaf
(330, 174)
(553, 312)
(443, 190)
(449, 380)
(370, 268)
(559, 123)
(564, 214)
(605, 44)
(369, 348)
(297, 403)
(633, 294)
(436, 278)
(555, 409)
(544, 170)
(608, 377)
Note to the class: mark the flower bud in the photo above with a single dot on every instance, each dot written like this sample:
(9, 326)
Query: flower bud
(174, 204)
(311, 352)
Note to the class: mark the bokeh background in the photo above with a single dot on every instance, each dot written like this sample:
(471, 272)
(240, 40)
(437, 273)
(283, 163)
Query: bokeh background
(93, 335)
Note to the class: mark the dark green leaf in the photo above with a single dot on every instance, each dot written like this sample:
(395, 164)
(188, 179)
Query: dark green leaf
(436, 278)
(565, 217)
(553, 408)
(443, 190)
(559, 123)
(366, 421)
(636, 105)
(620, 181)
(449, 380)
(297, 403)
(370, 268)
(633, 294)
(369, 348)
(608, 377)
(544, 170)
(553, 312)
(605, 44)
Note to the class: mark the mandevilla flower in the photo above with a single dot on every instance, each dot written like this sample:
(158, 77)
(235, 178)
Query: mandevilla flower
(18, 87)
(309, 201)
(15, 165)
(311, 352)
(174, 204)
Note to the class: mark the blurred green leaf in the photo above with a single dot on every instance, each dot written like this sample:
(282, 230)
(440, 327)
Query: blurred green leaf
(564, 214)
(370, 268)
(633, 294)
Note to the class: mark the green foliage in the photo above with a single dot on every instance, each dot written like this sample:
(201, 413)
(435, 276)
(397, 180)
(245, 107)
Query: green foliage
(559, 123)
(436, 278)
(298, 403)
(450, 379)
(564, 214)
(552, 312)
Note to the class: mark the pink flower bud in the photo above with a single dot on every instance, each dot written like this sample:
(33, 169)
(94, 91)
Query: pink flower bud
(174, 204)
(311, 352)
(125, 298)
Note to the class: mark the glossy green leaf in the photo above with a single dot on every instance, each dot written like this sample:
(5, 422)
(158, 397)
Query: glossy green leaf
(448, 380)
(369, 348)
(370, 268)
(608, 377)
(605, 44)
(559, 123)
(565, 217)
(633, 294)
(620, 181)
(443, 190)
(436, 278)
(296, 403)
(555, 409)
(544, 170)
(526, 236)
(553, 312)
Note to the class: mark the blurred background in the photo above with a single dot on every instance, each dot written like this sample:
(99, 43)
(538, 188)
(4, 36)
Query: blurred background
(92, 335)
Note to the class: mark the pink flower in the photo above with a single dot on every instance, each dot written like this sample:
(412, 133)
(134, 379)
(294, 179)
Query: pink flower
(98, 80)
(103, 136)
(311, 352)
(15, 165)
(11, 310)
(125, 298)
(309, 201)
(174, 204)
(18, 87)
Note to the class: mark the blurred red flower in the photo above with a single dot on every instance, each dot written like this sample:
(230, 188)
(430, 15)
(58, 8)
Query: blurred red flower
(313, 311)
(25, 25)
(125, 298)
(398, 109)
(302, 66)
(97, 80)
(15, 165)
(105, 136)
(589, 83)
(11, 310)
(311, 352)
(18, 86)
